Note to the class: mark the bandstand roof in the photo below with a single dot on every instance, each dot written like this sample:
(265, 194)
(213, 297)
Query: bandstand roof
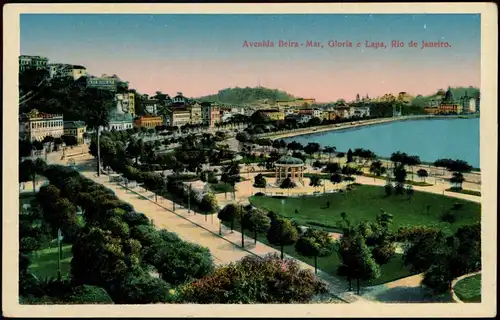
(288, 160)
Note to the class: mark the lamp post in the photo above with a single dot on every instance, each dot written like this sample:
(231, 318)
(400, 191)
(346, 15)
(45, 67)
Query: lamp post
(189, 199)
(98, 152)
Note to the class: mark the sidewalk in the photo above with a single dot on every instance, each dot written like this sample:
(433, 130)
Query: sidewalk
(204, 230)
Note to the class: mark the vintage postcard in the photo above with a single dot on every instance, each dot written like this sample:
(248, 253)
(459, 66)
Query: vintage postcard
(233, 160)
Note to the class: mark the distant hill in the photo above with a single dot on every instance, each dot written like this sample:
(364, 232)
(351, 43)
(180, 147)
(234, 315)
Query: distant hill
(247, 95)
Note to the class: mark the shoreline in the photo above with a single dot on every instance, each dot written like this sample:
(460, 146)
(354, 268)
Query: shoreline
(362, 123)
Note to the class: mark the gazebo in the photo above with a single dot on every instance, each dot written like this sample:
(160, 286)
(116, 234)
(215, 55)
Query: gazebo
(288, 166)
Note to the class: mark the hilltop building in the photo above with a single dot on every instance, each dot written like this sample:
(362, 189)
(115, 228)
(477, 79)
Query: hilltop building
(36, 125)
(64, 70)
(37, 62)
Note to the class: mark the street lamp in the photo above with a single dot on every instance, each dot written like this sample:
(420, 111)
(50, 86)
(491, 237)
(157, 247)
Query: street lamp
(98, 151)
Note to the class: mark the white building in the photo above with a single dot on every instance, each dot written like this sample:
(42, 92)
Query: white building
(472, 105)
(359, 111)
(305, 118)
(119, 125)
(317, 113)
(37, 62)
(38, 125)
(63, 70)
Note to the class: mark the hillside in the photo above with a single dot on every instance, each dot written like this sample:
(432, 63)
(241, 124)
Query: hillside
(247, 95)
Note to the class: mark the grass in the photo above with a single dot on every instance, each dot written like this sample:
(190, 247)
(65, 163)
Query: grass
(391, 271)
(469, 289)
(365, 202)
(410, 182)
(44, 262)
(221, 187)
(465, 191)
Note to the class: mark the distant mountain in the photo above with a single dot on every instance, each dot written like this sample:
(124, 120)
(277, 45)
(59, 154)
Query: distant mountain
(247, 95)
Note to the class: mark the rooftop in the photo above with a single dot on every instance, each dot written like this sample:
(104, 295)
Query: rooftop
(288, 160)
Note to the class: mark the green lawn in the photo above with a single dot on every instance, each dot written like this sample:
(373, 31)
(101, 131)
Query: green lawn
(44, 262)
(410, 182)
(364, 202)
(469, 289)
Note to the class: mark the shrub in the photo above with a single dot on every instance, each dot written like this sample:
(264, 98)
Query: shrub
(255, 280)
(140, 289)
(182, 262)
(259, 194)
(86, 294)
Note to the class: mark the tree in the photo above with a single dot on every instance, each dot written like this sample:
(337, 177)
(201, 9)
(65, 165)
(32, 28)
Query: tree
(260, 181)
(277, 280)
(336, 178)
(209, 204)
(349, 156)
(438, 278)
(312, 148)
(315, 181)
(357, 260)
(400, 178)
(282, 233)
(456, 180)
(229, 213)
(256, 220)
(181, 262)
(422, 174)
(287, 183)
(377, 168)
(314, 243)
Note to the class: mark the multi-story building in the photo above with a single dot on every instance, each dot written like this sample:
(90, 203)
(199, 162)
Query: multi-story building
(179, 116)
(330, 115)
(75, 129)
(448, 107)
(37, 62)
(210, 114)
(37, 125)
(359, 111)
(196, 113)
(273, 114)
(125, 103)
(63, 70)
(449, 104)
(148, 121)
(151, 106)
(317, 113)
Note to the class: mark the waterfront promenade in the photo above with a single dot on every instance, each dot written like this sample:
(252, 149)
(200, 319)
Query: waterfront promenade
(349, 125)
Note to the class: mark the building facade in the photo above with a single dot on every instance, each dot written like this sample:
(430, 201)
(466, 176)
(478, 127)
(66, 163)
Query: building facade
(38, 125)
(179, 116)
(125, 103)
(273, 114)
(210, 114)
(196, 114)
(62, 70)
(148, 121)
(28, 62)
(75, 129)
